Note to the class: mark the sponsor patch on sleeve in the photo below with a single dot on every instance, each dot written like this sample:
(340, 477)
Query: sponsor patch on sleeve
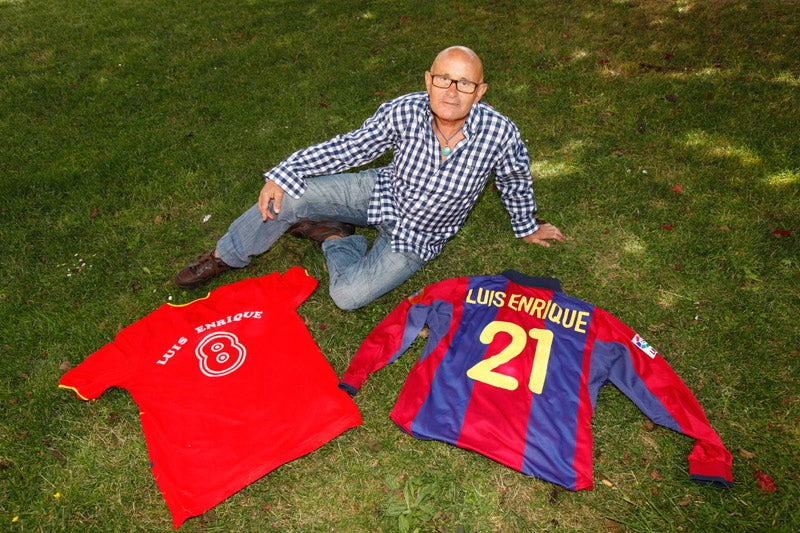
(645, 346)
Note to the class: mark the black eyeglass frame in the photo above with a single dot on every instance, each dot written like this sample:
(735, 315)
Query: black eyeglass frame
(458, 83)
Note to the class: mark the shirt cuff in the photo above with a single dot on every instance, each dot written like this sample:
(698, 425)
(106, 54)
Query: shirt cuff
(292, 184)
(349, 389)
(526, 227)
(711, 472)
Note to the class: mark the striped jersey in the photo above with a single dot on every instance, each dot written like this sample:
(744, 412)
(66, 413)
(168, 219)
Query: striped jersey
(512, 370)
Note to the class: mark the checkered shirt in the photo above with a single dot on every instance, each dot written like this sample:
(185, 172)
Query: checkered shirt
(428, 199)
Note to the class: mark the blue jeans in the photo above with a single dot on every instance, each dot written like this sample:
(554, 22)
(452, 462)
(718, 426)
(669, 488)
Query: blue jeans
(358, 275)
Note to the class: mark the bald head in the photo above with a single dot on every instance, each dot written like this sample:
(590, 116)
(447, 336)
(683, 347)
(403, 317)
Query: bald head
(462, 54)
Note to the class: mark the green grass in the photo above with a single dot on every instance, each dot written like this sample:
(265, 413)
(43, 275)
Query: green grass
(124, 123)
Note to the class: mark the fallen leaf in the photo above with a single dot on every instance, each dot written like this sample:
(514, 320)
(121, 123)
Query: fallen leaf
(668, 227)
(65, 365)
(655, 475)
(747, 455)
(94, 213)
(58, 455)
(323, 104)
(781, 233)
(678, 189)
(764, 482)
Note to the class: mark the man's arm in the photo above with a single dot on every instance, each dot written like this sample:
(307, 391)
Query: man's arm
(342, 152)
(514, 180)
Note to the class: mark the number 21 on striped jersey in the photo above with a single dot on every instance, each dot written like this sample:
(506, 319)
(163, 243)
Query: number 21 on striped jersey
(485, 370)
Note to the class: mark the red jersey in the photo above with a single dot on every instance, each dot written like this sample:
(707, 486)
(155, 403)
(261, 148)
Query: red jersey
(229, 387)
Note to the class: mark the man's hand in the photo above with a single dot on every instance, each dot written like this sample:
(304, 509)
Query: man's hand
(542, 236)
(270, 192)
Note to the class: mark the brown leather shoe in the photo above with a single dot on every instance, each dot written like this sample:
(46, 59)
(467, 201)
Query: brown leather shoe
(319, 230)
(206, 268)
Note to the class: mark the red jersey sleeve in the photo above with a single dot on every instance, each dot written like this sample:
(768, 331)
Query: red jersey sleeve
(107, 367)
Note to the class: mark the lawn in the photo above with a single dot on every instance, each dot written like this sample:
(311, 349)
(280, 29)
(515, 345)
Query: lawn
(664, 143)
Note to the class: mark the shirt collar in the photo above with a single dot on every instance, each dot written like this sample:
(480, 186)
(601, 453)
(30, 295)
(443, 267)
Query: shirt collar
(470, 125)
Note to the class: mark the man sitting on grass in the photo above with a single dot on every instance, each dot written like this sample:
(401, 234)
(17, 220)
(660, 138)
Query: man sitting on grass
(446, 144)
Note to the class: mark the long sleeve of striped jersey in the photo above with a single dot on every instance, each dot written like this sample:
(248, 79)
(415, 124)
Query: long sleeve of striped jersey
(513, 371)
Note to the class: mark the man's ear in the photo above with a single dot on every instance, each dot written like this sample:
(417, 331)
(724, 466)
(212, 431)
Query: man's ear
(480, 91)
(428, 81)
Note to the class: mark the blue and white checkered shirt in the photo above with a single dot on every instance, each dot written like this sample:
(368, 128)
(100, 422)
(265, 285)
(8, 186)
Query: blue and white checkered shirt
(428, 199)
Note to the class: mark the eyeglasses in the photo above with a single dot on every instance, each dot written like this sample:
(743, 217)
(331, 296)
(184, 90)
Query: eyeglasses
(462, 86)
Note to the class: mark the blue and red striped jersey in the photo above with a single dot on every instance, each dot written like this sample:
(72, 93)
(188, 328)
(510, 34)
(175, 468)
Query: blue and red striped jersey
(512, 370)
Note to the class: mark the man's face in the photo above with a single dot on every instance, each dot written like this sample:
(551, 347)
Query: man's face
(450, 104)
